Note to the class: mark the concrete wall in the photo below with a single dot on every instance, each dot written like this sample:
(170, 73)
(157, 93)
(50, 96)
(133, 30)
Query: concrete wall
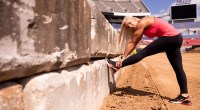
(38, 36)
(104, 39)
(47, 52)
(81, 87)
(11, 96)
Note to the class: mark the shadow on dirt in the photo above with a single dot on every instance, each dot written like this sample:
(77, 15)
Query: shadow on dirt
(130, 91)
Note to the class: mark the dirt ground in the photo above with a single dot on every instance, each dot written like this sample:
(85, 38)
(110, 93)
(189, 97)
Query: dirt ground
(149, 84)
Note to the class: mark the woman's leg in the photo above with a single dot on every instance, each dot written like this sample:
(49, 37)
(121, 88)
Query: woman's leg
(157, 46)
(175, 59)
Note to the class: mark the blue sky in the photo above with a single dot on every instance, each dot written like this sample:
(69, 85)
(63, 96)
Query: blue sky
(162, 6)
(158, 6)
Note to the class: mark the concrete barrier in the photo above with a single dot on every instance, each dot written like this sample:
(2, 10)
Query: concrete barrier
(78, 88)
(104, 39)
(40, 36)
(11, 96)
(47, 47)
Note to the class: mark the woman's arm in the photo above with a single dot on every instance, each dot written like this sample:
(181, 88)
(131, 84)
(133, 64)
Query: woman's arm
(137, 36)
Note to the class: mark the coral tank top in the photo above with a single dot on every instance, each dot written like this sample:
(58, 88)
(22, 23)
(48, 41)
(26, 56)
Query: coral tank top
(160, 28)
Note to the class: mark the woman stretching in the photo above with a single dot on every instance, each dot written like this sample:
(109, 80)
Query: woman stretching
(169, 40)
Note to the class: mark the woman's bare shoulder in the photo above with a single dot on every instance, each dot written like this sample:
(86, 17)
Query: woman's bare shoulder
(147, 21)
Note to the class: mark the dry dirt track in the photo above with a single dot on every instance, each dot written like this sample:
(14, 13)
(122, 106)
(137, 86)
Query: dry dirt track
(149, 84)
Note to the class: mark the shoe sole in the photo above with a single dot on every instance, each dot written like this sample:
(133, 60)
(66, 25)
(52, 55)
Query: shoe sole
(113, 69)
(176, 102)
(185, 102)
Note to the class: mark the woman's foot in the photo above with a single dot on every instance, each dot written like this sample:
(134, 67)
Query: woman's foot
(112, 65)
(181, 100)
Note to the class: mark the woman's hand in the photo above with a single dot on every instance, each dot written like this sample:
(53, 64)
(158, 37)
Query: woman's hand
(119, 62)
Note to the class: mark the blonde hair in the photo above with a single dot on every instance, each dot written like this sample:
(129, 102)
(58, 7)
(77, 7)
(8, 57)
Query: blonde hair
(124, 32)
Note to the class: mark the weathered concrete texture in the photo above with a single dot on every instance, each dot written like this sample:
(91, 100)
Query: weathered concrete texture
(63, 23)
(39, 35)
(103, 36)
(113, 78)
(114, 48)
(77, 88)
(11, 96)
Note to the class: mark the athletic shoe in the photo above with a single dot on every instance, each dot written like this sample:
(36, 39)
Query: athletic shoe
(187, 102)
(111, 64)
(181, 100)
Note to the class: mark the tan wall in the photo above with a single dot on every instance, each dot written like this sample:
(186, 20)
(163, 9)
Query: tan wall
(104, 39)
(41, 38)
(80, 87)
(38, 36)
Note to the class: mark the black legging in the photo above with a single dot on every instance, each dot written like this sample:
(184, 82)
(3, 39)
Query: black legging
(170, 45)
